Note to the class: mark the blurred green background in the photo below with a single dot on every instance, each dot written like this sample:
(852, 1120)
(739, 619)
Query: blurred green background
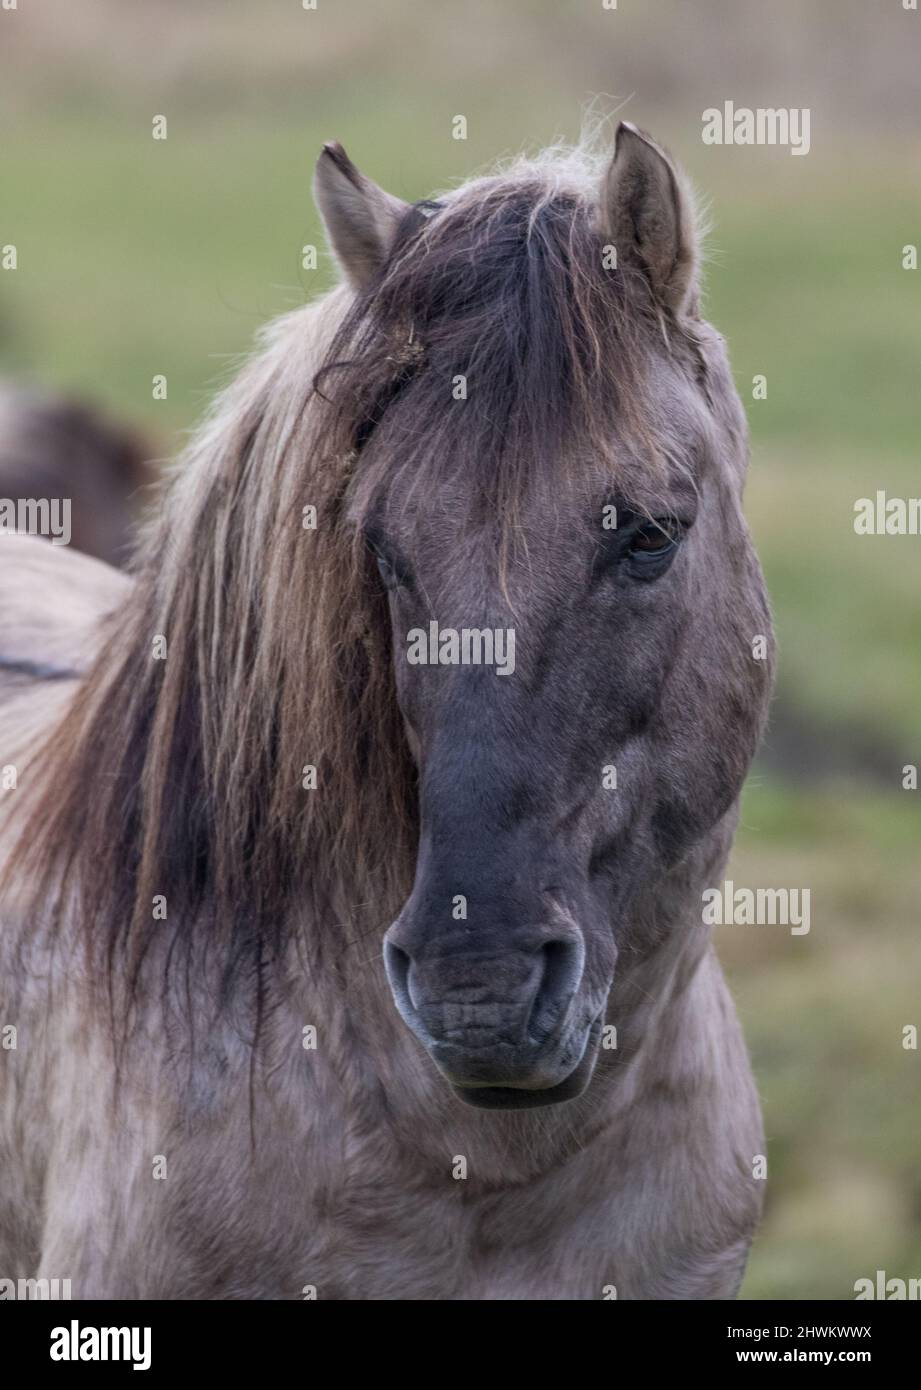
(139, 257)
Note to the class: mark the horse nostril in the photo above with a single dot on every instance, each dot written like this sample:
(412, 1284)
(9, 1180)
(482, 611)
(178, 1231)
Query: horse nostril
(562, 972)
(397, 963)
(514, 998)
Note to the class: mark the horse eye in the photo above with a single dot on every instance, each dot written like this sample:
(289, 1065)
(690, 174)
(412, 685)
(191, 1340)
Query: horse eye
(655, 538)
(386, 571)
(391, 569)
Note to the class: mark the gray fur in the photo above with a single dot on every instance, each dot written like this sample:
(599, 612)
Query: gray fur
(355, 1168)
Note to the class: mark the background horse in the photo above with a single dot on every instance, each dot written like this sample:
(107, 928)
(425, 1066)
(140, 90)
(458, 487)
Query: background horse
(305, 945)
(52, 447)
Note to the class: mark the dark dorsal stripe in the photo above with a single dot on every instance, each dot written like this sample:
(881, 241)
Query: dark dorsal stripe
(38, 670)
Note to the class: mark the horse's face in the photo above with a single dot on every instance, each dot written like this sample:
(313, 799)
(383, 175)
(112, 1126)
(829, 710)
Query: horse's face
(559, 783)
(582, 693)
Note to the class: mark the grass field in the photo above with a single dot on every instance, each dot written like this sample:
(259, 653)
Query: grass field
(824, 1015)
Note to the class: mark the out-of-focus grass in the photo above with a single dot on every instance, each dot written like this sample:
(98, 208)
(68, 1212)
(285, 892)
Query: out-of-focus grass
(139, 257)
(806, 282)
(848, 607)
(805, 279)
(824, 1015)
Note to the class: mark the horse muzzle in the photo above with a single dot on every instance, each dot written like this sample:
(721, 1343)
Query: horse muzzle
(505, 1028)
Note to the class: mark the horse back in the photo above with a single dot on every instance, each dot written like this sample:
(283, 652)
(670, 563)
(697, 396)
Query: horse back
(51, 603)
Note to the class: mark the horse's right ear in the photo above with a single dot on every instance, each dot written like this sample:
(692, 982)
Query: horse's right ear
(361, 219)
(648, 214)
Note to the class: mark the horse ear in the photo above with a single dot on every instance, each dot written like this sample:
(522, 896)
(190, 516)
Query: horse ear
(361, 219)
(649, 215)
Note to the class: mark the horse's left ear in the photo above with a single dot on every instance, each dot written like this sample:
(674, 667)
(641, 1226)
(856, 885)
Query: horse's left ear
(361, 219)
(649, 216)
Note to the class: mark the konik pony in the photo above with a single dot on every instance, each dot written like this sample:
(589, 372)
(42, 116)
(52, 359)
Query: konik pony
(326, 972)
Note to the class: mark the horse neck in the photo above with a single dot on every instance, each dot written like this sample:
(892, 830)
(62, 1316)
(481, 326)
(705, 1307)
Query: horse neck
(669, 1005)
(669, 1001)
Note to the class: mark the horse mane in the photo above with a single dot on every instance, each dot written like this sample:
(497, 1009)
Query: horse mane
(183, 778)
